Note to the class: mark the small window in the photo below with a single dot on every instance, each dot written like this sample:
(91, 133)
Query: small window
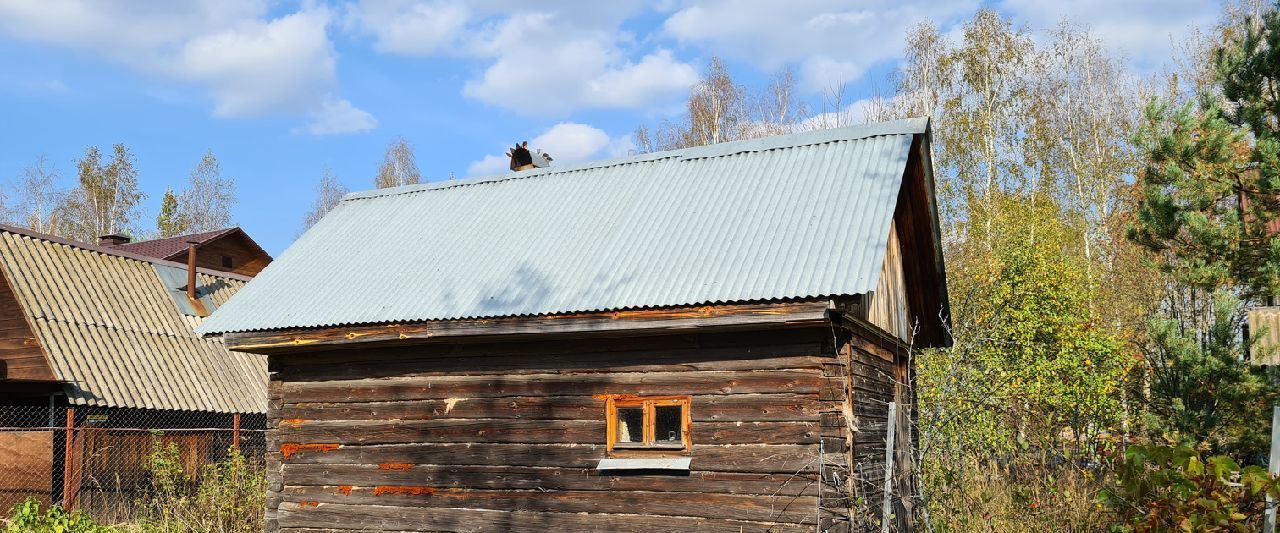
(648, 425)
(227, 262)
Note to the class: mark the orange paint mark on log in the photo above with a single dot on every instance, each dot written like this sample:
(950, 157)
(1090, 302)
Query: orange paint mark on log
(292, 422)
(407, 491)
(634, 397)
(345, 490)
(395, 466)
(289, 449)
(308, 503)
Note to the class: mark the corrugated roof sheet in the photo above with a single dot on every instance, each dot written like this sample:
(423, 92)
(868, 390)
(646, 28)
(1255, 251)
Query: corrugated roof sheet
(1264, 325)
(793, 216)
(112, 331)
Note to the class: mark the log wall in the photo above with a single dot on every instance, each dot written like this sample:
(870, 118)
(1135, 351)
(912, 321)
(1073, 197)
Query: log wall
(20, 353)
(880, 373)
(506, 436)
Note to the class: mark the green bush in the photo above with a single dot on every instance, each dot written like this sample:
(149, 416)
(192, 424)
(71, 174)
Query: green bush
(226, 497)
(1171, 488)
(26, 517)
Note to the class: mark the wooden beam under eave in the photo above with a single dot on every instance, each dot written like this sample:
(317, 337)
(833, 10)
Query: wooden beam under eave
(615, 323)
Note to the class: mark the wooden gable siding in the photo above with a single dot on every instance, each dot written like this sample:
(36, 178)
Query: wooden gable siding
(922, 262)
(246, 259)
(21, 356)
(910, 299)
(887, 306)
(490, 436)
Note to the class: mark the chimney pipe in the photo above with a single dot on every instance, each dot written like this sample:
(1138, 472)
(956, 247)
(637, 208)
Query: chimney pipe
(523, 159)
(191, 279)
(108, 241)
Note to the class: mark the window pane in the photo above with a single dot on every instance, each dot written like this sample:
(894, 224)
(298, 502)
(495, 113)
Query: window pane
(630, 424)
(667, 424)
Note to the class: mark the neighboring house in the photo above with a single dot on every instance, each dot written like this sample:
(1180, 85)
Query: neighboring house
(226, 250)
(109, 333)
(1264, 323)
(708, 338)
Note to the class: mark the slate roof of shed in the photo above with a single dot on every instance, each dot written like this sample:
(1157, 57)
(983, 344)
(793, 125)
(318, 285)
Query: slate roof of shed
(112, 332)
(794, 216)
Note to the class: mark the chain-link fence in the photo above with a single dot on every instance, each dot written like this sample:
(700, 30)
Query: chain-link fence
(106, 460)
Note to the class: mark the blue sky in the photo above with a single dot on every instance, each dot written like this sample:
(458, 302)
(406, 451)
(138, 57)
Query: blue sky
(279, 91)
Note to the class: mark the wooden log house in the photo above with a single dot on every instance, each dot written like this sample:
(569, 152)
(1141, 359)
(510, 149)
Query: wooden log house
(707, 338)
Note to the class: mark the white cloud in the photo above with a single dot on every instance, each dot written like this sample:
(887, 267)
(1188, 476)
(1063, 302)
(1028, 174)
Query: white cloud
(408, 27)
(337, 117)
(567, 143)
(537, 72)
(546, 58)
(490, 165)
(852, 114)
(133, 32)
(579, 74)
(833, 41)
(621, 146)
(250, 64)
(1141, 29)
(257, 67)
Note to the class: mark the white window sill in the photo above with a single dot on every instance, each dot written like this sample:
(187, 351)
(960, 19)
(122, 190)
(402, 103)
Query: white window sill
(645, 463)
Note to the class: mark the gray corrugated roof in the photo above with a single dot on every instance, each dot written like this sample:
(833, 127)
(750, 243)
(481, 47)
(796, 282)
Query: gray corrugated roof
(793, 216)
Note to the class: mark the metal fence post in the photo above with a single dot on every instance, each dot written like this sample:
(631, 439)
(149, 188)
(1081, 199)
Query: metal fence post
(235, 431)
(888, 468)
(68, 495)
(1273, 466)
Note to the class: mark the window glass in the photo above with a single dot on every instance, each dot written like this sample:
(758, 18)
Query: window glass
(630, 424)
(667, 424)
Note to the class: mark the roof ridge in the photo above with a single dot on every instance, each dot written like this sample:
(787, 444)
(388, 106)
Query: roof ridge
(904, 126)
(30, 233)
(211, 233)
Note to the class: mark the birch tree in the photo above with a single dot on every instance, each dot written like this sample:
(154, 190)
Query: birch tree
(720, 109)
(398, 167)
(106, 198)
(205, 205)
(328, 193)
(38, 197)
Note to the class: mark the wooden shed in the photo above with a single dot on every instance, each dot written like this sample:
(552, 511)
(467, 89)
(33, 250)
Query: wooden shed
(99, 343)
(708, 339)
(227, 250)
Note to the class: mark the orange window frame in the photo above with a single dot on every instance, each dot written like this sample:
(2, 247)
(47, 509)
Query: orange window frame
(649, 446)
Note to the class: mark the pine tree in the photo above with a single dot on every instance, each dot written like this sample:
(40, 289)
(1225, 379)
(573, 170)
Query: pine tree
(171, 222)
(1211, 186)
(1209, 191)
